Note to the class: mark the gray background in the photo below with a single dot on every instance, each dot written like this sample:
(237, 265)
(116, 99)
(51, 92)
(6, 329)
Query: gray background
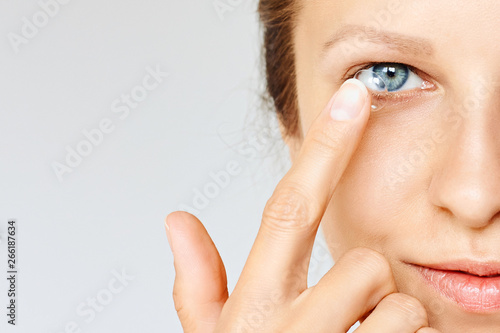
(76, 232)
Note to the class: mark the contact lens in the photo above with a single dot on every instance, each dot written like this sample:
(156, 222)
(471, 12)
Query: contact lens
(375, 84)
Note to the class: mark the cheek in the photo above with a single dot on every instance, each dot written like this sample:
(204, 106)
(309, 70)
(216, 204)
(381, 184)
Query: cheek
(384, 184)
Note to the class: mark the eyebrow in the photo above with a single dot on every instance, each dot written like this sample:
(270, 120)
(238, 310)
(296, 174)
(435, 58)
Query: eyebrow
(393, 40)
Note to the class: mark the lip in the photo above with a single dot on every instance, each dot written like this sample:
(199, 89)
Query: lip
(467, 266)
(474, 286)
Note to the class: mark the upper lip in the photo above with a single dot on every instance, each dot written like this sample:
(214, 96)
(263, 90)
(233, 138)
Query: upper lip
(489, 268)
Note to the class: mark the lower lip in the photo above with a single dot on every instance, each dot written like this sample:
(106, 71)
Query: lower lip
(471, 292)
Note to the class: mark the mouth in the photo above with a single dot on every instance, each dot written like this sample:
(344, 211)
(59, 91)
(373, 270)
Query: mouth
(474, 286)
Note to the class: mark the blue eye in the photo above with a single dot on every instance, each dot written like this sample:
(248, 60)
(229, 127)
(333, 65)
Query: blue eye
(395, 77)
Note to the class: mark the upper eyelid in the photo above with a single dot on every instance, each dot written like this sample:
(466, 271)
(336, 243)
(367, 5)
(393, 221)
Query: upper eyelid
(351, 72)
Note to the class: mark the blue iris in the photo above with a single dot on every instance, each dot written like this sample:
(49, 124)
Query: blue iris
(394, 75)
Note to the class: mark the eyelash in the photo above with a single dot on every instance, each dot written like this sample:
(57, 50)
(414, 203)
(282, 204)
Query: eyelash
(403, 96)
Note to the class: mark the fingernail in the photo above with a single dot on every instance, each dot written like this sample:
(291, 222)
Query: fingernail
(349, 100)
(167, 228)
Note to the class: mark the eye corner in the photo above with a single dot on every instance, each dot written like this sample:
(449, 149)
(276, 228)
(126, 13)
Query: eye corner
(427, 85)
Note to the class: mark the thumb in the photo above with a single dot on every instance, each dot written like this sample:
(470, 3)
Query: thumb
(200, 287)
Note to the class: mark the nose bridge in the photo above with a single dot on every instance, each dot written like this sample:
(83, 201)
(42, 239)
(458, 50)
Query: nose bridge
(467, 181)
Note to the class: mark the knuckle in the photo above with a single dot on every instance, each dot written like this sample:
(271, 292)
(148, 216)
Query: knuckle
(289, 208)
(182, 311)
(407, 307)
(178, 301)
(185, 314)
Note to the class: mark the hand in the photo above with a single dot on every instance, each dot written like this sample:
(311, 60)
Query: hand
(271, 294)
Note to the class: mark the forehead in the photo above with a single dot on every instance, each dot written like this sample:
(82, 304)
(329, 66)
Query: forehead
(470, 26)
(452, 41)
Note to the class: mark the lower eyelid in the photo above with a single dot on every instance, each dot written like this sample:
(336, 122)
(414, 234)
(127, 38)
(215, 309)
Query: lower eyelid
(403, 96)
(425, 86)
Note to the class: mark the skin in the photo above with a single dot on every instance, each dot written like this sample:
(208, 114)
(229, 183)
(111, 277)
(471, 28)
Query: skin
(377, 213)
(448, 206)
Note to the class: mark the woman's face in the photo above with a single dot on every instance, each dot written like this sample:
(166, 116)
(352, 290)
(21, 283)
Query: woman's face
(423, 186)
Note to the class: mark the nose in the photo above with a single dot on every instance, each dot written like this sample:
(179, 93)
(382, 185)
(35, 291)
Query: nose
(466, 183)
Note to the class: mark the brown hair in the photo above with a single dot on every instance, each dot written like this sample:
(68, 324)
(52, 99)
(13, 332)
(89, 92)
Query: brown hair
(278, 22)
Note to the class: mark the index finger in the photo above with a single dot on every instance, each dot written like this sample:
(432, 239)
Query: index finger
(291, 216)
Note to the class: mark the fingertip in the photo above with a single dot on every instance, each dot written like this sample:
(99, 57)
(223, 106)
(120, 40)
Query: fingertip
(185, 231)
(349, 101)
(363, 92)
(360, 85)
(174, 222)
(177, 218)
(167, 222)
(171, 217)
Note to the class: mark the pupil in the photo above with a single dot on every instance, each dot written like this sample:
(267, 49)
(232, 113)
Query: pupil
(391, 72)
